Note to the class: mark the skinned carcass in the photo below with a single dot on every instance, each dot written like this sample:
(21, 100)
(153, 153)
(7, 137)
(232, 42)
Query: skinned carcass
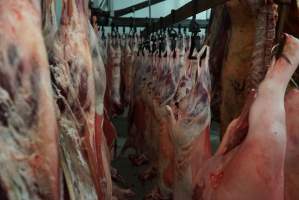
(163, 79)
(28, 128)
(104, 129)
(112, 99)
(253, 23)
(167, 91)
(136, 114)
(128, 74)
(99, 52)
(126, 69)
(102, 150)
(189, 126)
(140, 130)
(247, 168)
(237, 21)
(73, 81)
(112, 96)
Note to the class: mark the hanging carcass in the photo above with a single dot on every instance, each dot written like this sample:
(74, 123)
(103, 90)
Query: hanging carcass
(73, 81)
(28, 128)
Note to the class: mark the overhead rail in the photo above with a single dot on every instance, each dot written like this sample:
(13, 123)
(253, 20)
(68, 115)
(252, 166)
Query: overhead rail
(117, 13)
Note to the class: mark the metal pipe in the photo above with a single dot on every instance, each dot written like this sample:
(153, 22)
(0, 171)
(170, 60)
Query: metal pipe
(150, 11)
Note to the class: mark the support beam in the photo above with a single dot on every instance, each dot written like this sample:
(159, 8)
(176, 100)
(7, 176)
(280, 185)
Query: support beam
(184, 12)
(117, 13)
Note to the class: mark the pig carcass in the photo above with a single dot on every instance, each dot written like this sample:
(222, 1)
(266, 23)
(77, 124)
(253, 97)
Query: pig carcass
(244, 167)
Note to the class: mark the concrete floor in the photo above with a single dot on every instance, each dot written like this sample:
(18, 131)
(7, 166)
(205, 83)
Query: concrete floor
(129, 172)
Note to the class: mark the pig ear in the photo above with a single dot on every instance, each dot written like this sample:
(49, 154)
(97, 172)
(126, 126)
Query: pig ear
(171, 115)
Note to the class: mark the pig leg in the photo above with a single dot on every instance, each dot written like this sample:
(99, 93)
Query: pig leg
(266, 139)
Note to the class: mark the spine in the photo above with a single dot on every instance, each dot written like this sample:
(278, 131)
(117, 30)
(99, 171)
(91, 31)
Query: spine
(264, 41)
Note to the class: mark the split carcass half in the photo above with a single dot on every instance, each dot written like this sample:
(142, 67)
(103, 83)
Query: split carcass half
(28, 128)
(74, 84)
(102, 150)
(104, 129)
(253, 22)
(250, 169)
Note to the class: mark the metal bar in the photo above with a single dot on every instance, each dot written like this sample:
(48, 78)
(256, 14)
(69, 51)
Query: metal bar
(284, 7)
(184, 12)
(117, 13)
(150, 10)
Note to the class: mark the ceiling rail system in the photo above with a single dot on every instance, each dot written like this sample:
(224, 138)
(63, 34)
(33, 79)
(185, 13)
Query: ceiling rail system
(118, 13)
(183, 13)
